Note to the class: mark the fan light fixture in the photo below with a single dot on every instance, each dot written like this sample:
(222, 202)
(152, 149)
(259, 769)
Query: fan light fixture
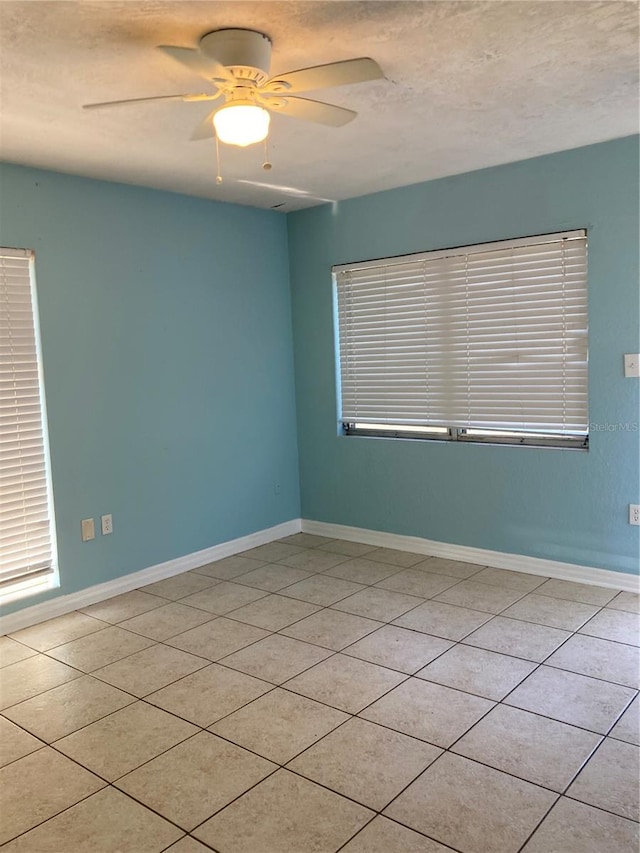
(235, 65)
(241, 123)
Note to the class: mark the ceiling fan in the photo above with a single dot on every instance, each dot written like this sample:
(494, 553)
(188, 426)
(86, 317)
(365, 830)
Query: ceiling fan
(236, 63)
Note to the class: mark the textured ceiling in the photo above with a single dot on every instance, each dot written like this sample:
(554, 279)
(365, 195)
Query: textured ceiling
(469, 85)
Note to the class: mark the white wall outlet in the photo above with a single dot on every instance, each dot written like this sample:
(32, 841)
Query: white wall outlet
(634, 514)
(107, 524)
(88, 529)
(632, 364)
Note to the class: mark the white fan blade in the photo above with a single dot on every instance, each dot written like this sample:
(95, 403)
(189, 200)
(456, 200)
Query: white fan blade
(205, 129)
(197, 62)
(325, 76)
(187, 98)
(309, 110)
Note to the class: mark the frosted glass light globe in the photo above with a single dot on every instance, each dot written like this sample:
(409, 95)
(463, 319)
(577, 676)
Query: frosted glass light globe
(241, 124)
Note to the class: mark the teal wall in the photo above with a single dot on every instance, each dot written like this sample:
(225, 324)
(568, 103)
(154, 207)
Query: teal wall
(559, 504)
(167, 344)
(166, 336)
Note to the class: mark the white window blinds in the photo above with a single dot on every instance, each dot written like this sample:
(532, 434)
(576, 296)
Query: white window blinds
(25, 516)
(490, 337)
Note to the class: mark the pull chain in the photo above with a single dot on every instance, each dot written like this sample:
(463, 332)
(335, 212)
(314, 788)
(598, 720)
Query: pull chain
(218, 176)
(266, 165)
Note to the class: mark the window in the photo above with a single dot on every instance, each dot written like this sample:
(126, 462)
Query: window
(481, 343)
(26, 530)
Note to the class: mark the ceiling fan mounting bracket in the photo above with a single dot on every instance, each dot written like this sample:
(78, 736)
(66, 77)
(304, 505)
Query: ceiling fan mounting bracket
(246, 52)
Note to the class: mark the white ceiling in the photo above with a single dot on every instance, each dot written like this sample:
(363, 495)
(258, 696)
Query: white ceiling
(469, 85)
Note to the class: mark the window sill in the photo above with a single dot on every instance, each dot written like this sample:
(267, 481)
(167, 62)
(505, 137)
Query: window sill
(551, 442)
(27, 587)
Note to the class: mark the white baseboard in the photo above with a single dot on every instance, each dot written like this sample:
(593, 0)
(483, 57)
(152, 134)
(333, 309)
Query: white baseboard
(430, 548)
(480, 556)
(83, 598)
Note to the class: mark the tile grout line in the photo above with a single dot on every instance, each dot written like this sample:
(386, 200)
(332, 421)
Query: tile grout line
(334, 652)
(57, 814)
(351, 715)
(219, 661)
(324, 572)
(284, 767)
(539, 824)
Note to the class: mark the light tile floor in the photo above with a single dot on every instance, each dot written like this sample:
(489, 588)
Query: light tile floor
(314, 695)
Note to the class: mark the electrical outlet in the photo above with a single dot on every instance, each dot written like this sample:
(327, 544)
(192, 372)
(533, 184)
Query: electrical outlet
(107, 524)
(276, 488)
(632, 364)
(88, 529)
(634, 514)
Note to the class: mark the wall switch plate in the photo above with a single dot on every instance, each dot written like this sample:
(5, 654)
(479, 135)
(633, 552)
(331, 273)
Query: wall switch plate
(632, 364)
(634, 514)
(107, 524)
(88, 529)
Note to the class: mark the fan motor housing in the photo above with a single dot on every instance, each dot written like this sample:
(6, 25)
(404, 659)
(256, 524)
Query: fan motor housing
(246, 52)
